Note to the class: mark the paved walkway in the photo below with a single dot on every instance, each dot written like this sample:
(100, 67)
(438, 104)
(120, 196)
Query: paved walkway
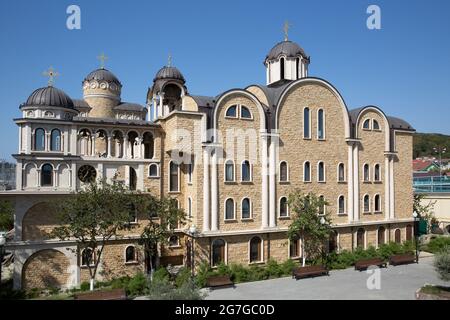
(398, 282)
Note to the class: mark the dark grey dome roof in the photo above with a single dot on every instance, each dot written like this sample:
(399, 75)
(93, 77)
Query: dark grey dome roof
(102, 75)
(288, 48)
(49, 97)
(169, 73)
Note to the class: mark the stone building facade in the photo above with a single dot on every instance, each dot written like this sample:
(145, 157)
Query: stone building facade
(231, 161)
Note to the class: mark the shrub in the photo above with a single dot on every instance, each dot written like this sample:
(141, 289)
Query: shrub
(223, 269)
(442, 263)
(137, 285)
(84, 286)
(438, 244)
(161, 274)
(183, 276)
(204, 271)
(257, 273)
(287, 266)
(239, 273)
(273, 269)
(119, 283)
(162, 289)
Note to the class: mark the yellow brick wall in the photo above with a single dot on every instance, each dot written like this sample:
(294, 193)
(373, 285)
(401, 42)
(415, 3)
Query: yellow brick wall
(403, 176)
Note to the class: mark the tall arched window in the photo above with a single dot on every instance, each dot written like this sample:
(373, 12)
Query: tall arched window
(341, 205)
(360, 238)
(245, 172)
(218, 252)
(281, 68)
(377, 203)
(153, 170)
(366, 174)
(229, 209)
(87, 257)
(133, 179)
(322, 207)
(47, 175)
(306, 124)
(398, 236)
(130, 254)
(294, 248)
(148, 145)
(377, 173)
(381, 235)
(341, 172)
(173, 179)
(284, 207)
(132, 143)
(409, 232)
(55, 140)
(283, 171)
(321, 172)
(189, 207)
(307, 172)
(255, 249)
(229, 171)
(320, 125)
(366, 203)
(245, 214)
(39, 139)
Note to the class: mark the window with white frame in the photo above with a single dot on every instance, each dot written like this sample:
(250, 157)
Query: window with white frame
(294, 248)
(307, 172)
(231, 112)
(190, 169)
(130, 254)
(341, 172)
(173, 177)
(341, 205)
(87, 257)
(246, 209)
(366, 124)
(229, 209)
(320, 124)
(366, 173)
(377, 203)
(174, 241)
(245, 113)
(375, 125)
(366, 203)
(284, 172)
(189, 207)
(55, 140)
(256, 250)
(284, 209)
(229, 171)
(246, 175)
(306, 123)
(377, 173)
(153, 170)
(321, 172)
(39, 139)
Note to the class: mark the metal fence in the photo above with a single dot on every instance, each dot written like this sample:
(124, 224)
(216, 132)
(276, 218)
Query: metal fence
(431, 184)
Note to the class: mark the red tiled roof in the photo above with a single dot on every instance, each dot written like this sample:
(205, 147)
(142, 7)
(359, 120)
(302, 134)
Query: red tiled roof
(421, 165)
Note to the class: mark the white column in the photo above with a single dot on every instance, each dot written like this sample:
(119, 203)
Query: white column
(19, 178)
(65, 146)
(206, 219)
(73, 141)
(74, 176)
(140, 182)
(125, 148)
(28, 137)
(350, 183)
(214, 194)
(391, 188)
(264, 181)
(154, 114)
(272, 181)
(93, 145)
(356, 182)
(20, 139)
(109, 146)
(387, 194)
(161, 106)
(47, 141)
(100, 171)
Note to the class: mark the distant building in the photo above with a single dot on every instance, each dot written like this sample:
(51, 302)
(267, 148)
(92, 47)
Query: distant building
(7, 175)
(425, 165)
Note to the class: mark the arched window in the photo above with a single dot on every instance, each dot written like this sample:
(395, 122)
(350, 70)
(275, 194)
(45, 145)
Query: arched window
(360, 238)
(284, 212)
(322, 207)
(333, 241)
(409, 232)
(281, 68)
(132, 139)
(366, 174)
(229, 209)
(153, 170)
(283, 171)
(245, 172)
(229, 171)
(341, 172)
(174, 241)
(246, 213)
(375, 125)
(132, 214)
(398, 236)
(130, 254)
(377, 203)
(190, 207)
(55, 140)
(245, 113)
(148, 145)
(87, 257)
(255, 249)
(47, 175)
(190, 170)
(377, 173)
(366, 124)
(218, 252)
(307, 172)
(231, 112)
(341, 205)
(39, 139)
(173, 179)
(294, 248)
(320, 172)
(306, 124)
(320, 125)
(381, 236)
(133, 179)
(366, 203)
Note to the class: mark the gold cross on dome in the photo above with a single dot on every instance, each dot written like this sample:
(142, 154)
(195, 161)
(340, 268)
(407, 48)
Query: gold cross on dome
(102, 59)
(51, 74)
(286, 30)
(169, 60)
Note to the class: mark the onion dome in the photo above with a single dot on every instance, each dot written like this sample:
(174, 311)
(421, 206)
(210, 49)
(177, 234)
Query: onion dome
(103, 75)
(287, 48)
(49, 97)
(169, 73)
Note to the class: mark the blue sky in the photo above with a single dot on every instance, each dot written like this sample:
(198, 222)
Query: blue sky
(404, 68)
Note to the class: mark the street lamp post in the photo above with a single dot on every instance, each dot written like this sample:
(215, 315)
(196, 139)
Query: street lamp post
(440, 150)
(2, 247)
(193, 232)
(416, 234)
(325, 252)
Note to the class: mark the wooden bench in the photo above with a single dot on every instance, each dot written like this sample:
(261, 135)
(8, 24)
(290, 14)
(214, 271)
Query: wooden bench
(363, 264)
(214, 282)
(114, 294)
(402, 259)
(309, 271)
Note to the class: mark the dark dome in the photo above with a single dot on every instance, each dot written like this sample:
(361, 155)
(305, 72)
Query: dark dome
(49, 97)
(288, 48)
(102, 75)
(169, 73)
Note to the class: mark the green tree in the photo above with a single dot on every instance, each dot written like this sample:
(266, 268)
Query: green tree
(6, 216)
(164, 217)
(307, 211)
(92, 217)
(425, 211)
(442, 263)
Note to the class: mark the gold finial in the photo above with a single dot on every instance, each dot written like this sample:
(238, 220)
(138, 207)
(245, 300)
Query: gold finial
(169, 60)
(51, 74)
(286, 29)
(102, 59)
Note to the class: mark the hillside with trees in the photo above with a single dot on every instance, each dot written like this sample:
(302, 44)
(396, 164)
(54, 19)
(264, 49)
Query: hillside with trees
(425, 142)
